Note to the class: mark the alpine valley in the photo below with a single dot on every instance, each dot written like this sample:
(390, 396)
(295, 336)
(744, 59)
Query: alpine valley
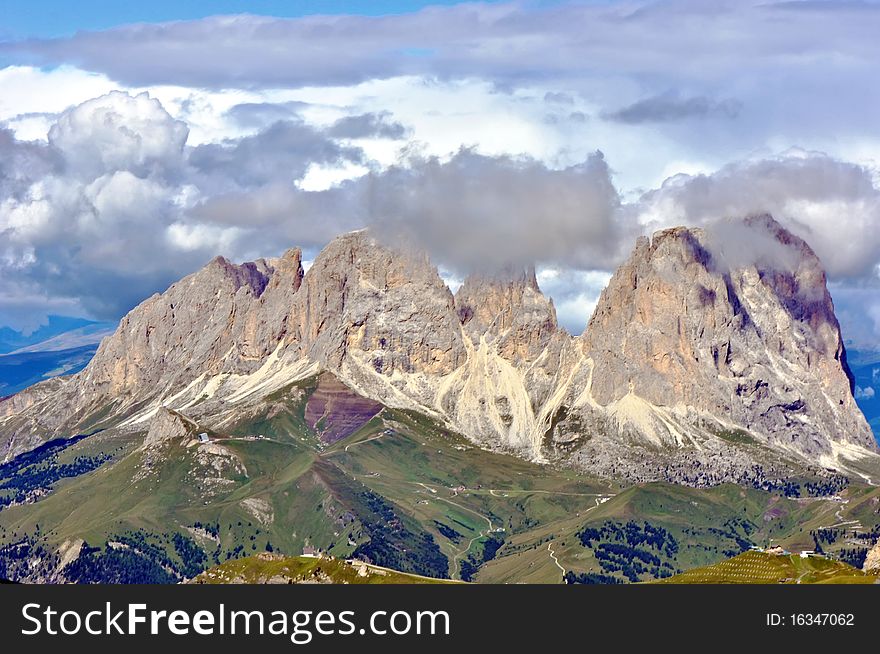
(363, 410)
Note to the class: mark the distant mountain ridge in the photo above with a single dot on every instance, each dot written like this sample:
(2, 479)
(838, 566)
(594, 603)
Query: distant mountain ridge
(697, 365)
(20, 370)
(88, 335)
(65, 347)
(56, 326)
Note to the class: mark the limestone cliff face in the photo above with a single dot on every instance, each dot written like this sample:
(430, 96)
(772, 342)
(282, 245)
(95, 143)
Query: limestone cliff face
(514, 346)
(757, 346)
(697, 345)
(378, 305)
(509, 309)
(168, 427)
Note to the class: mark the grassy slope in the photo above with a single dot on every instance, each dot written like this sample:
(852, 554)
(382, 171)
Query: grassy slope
(433, 480)
(298, 569)
(312, 491)
(690, 515)
(763, 568)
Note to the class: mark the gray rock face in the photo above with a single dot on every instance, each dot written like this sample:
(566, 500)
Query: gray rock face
(696, 355)
(758, 347)
(387, 307)
(168, 427)
(508, 307)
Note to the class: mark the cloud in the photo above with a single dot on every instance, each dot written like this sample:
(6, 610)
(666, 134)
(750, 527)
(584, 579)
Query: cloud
(118, 132)
(22, 163)
(263, 114)
(504, 41)
(115, 205)
(369, 125)
(282, 151)
(83, 214)
(477, 211)
(866, 393)
(669, 107)
(833, 205)
(558, 97)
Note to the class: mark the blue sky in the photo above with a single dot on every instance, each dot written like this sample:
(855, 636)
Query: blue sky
(130, 156)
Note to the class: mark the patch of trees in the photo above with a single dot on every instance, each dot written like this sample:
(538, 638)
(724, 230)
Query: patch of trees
(632, 549)
(590, 578)
(393, 544)
(192, 557)
(822, 487)
(827, 536)
(448, 532)
(38, 454)
(854, 556)
(27, 559)
(633, 534)
(117, 566)
(44, 476)
(33, 473)
(632, 562)
(490, 547)
(138, 557)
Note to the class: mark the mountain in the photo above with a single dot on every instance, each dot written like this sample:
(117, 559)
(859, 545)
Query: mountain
(22, 369)
(12, 340)
(363, 408)
(68, 346)
(697, 365)
(693, 347)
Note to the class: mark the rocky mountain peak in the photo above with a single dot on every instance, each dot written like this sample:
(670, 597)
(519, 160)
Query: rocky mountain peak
(699, 320)
(221, 272)
(508, 308)
(385, 307)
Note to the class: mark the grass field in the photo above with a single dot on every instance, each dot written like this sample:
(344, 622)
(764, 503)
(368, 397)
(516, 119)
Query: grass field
(763, 568)
(278, 569)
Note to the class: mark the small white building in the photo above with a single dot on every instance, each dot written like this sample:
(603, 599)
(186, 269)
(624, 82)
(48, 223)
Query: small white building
(203, 437)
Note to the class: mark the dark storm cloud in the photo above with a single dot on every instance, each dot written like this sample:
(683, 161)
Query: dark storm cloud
(477, 211)
(369, 125)
(669, 107)
(283, 150)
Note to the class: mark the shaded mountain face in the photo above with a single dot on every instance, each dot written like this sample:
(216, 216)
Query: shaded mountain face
(702, 358)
